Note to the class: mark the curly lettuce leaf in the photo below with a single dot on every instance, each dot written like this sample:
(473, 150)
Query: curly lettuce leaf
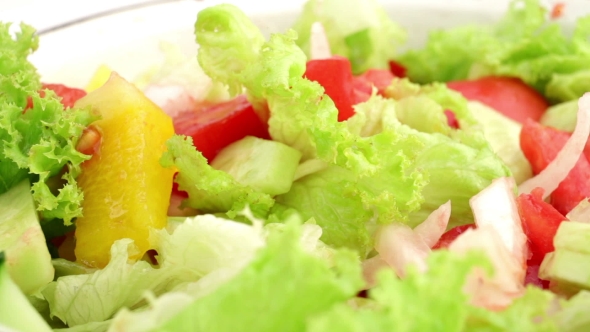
(232, 43)
(435, 301)
(210, 190)
(39, 143)
(523, 44)
(360, 30)
(284, 283)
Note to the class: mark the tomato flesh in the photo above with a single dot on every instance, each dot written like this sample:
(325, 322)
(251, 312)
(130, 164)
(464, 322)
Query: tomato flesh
(397, 69)
(335, 75)
(69, 96)
(540, 221)
(509, 96)
(449, 236)
(215, 127)
(540, 145)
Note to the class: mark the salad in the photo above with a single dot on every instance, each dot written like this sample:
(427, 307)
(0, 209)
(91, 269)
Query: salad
(322, 179)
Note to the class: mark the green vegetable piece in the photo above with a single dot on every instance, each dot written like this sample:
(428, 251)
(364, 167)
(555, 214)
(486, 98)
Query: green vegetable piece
(561, 116)
(17, 312)
(210, 190)
(569, 264)
(264, 165)
(504, 137)
(27, 258)
(279, 291)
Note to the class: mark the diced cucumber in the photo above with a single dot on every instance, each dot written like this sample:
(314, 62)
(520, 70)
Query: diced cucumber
(573, 236)
(567, 267)
(16, 312)
(21, 238)
(264, 165)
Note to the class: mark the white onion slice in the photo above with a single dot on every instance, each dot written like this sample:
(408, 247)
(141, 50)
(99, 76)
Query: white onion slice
(399, 246)
(568, 156)
(435, 225)
(496, 291)
(371, 267)
(320, 47)
(581, 213)
(495, 206)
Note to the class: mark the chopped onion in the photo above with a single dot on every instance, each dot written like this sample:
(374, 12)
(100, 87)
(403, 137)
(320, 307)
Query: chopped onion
(435, 225)
(493, 291)
(495, 206)
(370, 269)
(566, 159)
(399, 246)
(581, 213)
(320, 47)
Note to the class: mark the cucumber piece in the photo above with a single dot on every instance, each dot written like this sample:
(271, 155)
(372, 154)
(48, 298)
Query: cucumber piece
(568, 268)
(17, 312)
(264, 165)
(21, 238)
(573, 236)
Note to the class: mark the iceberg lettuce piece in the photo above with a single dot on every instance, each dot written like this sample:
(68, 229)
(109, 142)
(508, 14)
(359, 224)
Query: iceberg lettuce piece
(359, 30)
(561, 116)
(198, 247)
(284, 282)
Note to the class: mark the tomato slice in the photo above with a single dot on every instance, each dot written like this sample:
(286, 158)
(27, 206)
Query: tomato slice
(540, 221)
(397, 69)
(540, 145)
(215, 127)
(509, 96)
(335, 75)
(449, 236)
(69, 96)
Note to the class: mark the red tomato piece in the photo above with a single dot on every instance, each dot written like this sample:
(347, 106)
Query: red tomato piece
(397, 69)
(217, 126)
(379, 78)
(540, 221)
(449, 236)
(452, 119)
(335, 75)
(540, 145)
(69, 96)
(509, 96)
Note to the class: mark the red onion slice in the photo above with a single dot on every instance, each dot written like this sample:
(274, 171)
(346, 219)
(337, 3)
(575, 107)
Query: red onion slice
(581, 213)
(399, 246)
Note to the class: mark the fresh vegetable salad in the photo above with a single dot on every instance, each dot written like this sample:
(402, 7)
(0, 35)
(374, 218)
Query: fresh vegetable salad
(319, 180)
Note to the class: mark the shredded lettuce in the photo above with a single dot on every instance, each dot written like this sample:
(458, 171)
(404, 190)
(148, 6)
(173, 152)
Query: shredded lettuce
(523, 44)
(39, 143)
(360, 30)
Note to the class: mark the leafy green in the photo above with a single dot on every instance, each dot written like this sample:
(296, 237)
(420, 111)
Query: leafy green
(360, 30)
(561, 116)
(40, 142)
(198, 247)
(284, 284)
(435, 301)
(27, 259)
(523, 44)
(232, 40)
(210, 190)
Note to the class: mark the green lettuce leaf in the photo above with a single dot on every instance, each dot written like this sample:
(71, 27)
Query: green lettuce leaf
(360, 30)
(210, 190)
(561, 116)
(196, 248)
(435, 301)
(284, 284)
(40, 142)
(523, 44)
